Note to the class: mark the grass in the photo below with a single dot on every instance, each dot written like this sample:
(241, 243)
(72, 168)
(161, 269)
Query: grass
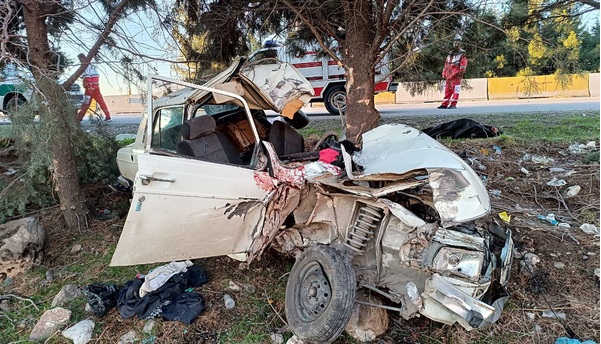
(521, 128)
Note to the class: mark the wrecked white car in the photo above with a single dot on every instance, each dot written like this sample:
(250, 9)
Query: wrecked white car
(403, 217)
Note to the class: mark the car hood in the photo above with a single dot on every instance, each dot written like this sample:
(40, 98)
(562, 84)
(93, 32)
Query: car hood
(395, 151)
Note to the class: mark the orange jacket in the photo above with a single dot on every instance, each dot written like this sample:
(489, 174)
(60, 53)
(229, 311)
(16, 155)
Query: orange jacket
(454, 66)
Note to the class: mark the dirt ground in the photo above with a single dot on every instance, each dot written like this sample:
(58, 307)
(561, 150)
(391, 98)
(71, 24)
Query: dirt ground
(572, 290)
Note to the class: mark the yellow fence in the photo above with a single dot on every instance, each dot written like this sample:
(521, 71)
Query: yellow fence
(538, 86)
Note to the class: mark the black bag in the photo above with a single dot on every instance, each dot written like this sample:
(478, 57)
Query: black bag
(462, 129)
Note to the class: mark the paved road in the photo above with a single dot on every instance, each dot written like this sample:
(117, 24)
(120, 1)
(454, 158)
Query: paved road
(465, 108)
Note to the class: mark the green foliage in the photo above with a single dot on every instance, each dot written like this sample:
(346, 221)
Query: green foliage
(33, 185)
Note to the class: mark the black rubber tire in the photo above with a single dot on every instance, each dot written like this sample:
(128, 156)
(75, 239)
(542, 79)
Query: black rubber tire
(332, 320)
(14, 103)
(330, 95)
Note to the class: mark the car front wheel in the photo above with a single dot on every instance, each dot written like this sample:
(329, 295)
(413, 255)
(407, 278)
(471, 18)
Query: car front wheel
(334, 97)
(14, 104)
(320, 294)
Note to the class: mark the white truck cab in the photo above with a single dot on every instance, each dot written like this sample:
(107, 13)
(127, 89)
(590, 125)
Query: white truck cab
(324, 74)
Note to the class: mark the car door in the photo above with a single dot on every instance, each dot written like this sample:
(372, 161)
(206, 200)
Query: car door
(183, 208)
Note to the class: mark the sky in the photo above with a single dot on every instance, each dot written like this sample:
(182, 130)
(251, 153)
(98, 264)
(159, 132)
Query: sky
(142, 32)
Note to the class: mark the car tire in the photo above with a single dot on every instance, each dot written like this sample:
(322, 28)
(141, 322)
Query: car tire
(320, 295)
(14, 103)
(332, 95)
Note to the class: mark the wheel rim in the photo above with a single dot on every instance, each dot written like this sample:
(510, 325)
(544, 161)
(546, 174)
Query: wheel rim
(336, 97)
(314, 292)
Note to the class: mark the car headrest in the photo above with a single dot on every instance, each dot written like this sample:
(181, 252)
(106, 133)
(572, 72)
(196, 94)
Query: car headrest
(197, 127)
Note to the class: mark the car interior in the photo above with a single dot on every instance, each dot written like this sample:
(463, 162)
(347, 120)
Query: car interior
(222, 134)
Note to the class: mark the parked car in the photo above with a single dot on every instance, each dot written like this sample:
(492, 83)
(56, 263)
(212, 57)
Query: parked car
(402, 217)
(14, 92)
(324, 74)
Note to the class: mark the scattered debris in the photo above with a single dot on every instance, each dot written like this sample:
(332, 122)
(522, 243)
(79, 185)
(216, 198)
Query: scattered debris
(557, 182)
(49, 323)
(229, 302)
(509, 179)
(559, 265)
(149, 326)
(528, 263)
(129, 337)
(276, 338)
(506, 218)
(495, 193)
(592, 157)
(564, 225)
(250, 288)
(497, 149)
(101, 297)
(597, 273)
(539, 159)
(294, 340)
(549, 218)
(67, 293)
(556, 170)
(21, 243)
(524, 171)
(80, 333)
(530, 315)
(565, 340)
(589, 229)
(367, 322)
(578, 149)
(572, 191)
(556, 315)
(76, 248)
(88, 308)
(233, 286)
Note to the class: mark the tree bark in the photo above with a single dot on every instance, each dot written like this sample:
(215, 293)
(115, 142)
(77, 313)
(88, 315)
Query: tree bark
(360, 55)
(65, 174)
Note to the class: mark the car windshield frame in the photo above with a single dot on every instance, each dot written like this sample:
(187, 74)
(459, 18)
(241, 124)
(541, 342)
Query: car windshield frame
(148, 149)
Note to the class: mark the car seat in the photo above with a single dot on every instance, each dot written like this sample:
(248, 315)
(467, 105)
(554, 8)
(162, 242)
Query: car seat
(202, 141)
(285, 139)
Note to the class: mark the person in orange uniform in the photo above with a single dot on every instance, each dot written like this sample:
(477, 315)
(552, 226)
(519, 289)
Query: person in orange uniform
(454, 68)
(90, 83)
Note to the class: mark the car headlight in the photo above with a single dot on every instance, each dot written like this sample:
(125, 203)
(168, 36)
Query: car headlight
(459, 262)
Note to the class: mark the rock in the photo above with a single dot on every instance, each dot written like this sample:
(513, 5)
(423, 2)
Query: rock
(76, 248)
(529, 259)
(250, 288)
(530, 315)
(49, 323)
(589, 229)
(149, 326)
(550, 314)
(68, 292)
(584, 257)
(233, 286)
(572, 191)
(294, 340)
(276, 338)
(129, 337)
(597, 273)
(5, 306)
(49, 275)
(88, 308)
(80, 333)
(559, 265)
(21, 243)
(367, 322)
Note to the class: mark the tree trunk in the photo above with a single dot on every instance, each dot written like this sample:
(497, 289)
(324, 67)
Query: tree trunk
(360, 56)
(61, 121)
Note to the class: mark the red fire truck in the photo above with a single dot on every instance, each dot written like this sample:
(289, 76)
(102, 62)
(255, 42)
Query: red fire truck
(324, 74)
